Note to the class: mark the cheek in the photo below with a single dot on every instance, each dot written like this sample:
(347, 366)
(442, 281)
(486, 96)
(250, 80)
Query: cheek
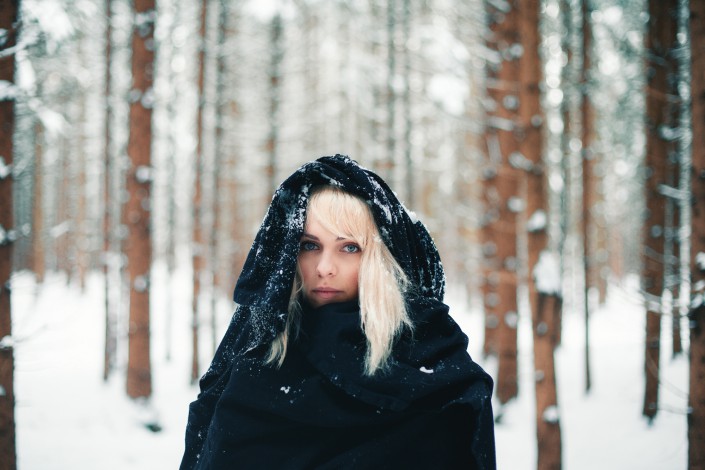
(354, 272)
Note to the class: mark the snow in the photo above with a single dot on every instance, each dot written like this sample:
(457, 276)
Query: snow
(537, 221)
(8, 91)
(547, 273)
(700, 260)
(68, 418)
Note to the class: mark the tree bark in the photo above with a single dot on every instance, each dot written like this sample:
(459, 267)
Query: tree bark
(277, 54)
(501, 182)
(8, 23)
(110, 340)
(139, 245)
(218, 175)
(661, 95)
(198, 245)
(545, 300)
(38, 229)
(589, 198)
(696, 397)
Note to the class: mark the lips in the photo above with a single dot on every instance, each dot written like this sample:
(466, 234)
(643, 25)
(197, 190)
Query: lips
(326, 292)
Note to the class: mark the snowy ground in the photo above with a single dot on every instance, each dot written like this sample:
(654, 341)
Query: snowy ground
(68, 418)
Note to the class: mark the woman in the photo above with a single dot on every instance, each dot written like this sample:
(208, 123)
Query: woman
(341, 353)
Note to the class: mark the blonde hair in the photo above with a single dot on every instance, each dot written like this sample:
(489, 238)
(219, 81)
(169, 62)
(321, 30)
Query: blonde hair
(382, 282)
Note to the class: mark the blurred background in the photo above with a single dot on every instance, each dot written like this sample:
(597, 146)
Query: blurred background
(545, 144)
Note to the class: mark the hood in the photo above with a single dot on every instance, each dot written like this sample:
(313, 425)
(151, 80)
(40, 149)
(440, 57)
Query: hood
(268, 273)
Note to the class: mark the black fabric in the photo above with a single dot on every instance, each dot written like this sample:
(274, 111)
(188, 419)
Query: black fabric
(430, 408)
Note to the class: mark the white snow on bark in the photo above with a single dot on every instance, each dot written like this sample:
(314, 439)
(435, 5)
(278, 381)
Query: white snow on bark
(700, 261)
(547, 273)
(551, 414)
(537, 221)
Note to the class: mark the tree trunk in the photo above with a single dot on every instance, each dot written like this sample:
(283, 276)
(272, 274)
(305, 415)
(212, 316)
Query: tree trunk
(661, 97)
(588, 175)
(110, 341)
(38, 228)
(501, 181)
(139, 245)
(388, 158)
(219, 158)
(408, 112)
(545, 297)
(8, 23)
(277, 54)
(198, 244)
(696, 398)
(567, 110)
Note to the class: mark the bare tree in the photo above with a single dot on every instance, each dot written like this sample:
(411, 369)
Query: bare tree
(137, 209)
(8, 24)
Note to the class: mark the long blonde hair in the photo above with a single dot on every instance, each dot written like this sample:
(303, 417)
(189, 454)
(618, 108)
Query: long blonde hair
(382, 282)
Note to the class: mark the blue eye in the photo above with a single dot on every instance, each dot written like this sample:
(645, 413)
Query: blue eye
(308, 246)
(351, 248)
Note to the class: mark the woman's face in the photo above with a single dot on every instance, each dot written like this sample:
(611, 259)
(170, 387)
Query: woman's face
(329, 265)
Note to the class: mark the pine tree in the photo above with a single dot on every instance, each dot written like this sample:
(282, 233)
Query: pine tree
(137, 209)
(8, 24)
(696, 397)
(502, 202)
(661, 100)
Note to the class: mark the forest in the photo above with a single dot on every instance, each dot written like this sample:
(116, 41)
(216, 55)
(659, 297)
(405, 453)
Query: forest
(555, 150)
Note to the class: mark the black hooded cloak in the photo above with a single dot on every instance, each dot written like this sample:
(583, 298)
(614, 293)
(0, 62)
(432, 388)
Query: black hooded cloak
(430, 408)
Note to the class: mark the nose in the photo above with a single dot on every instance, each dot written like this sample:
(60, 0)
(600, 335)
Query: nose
(326, 265)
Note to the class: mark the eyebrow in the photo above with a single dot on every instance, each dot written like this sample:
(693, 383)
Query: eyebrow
(313, 237)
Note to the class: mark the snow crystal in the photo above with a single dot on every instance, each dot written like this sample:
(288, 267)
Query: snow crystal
(5, 169)
(541, 328)
(700, 261)
(511, 319)
(7, 236)
(537, 221)
(425, 370)
(547, 273)
(516, 204)
(8, 91)
(551, 414)
(449, 92)
(53, 122)
(144, 22)
(696, 301)
(285, 389)
(143, 174)
(134, 95)
(6, 342)
(52, 18)
(148, 98)
(2, 391)
(141, 283)
(412, 215)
